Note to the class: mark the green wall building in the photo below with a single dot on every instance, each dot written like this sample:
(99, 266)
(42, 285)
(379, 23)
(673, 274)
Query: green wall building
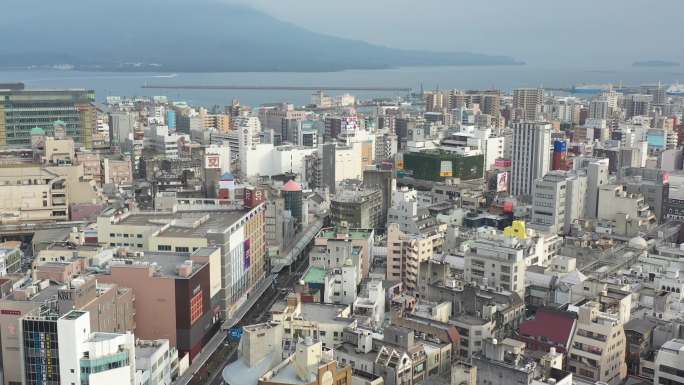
(437, 165)
(22, 110)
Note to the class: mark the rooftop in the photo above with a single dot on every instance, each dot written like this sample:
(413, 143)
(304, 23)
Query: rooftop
(555, 325)
(337, 233)
(166, 263)
(185, 224)
(315, 275)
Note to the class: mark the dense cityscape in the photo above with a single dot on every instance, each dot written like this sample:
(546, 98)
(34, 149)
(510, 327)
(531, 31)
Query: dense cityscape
(474, 237)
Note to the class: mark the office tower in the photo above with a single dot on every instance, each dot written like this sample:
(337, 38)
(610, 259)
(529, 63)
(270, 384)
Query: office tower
(292, 195)
(171, 119)
(531, 155)
(62, 350)
(338, 163)
(404, 125)
(599, 109)
(527, 103)
(386, 182)
(122, 124)
(22, 110)
(434, 101)
(360, 208)
(597, 175)
(248, 130)
(637, 105)
(557, 201)
(489, 102)
(657, 92)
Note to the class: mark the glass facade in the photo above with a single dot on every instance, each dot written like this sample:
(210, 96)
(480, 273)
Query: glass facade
(102, 364)
(41, 351)
(20, 111)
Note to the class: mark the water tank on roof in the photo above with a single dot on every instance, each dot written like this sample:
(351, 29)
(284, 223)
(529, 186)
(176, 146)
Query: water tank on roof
(638, 243)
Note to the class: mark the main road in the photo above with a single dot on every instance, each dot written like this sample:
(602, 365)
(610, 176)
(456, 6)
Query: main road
(225, 351)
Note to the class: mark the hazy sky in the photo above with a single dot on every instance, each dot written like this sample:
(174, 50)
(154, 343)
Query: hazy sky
(579, 32)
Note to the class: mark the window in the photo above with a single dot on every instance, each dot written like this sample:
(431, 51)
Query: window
(181, 249)
(164, 247)
(196, 308)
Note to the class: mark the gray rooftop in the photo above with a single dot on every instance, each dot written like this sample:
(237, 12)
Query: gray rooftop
(186, 224)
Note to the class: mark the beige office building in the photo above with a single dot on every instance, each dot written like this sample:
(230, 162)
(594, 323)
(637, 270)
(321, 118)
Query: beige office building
(238, 231)
(405, 252)
(598, 348)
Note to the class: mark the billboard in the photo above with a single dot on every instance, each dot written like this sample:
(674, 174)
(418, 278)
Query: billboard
(253, 197)
(503, 163)
(502, 182)
(445, 168)
(676, 189)
(212, 161)
(246, 255)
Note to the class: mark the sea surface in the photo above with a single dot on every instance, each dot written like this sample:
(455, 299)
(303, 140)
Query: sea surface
(447, 77)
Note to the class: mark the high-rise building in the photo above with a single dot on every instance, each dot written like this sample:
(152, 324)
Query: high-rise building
(531, 155)
(62, 350)
(527, 103)
(657, 92)
(597, 175)
(358, 208)
(248, 129)
(557, 200)
(292, 195)
(122, 124)
(599, 109)
(22, 110)
(339, 163)
(434, 101)
(637, 105)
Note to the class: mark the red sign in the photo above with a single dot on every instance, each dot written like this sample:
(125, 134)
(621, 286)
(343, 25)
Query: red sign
(213, 161)
(10, 312)
(503, 163)
(254, 197)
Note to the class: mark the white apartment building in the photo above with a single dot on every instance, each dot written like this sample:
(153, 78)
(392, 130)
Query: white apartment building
(93, 358)
(557, 201)
(495, 260)
(162, 141)
(531, 157)
(527, 103)
(622, 213)
(248, 129)
(155, 362)
(265, 159)
(405, 252)
(370, 303)
(669, 363)
(341, 162)
(598, 346)
(597, 176)
(340, 284)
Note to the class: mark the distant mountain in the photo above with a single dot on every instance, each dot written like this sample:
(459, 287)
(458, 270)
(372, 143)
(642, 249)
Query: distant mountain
(188, 35)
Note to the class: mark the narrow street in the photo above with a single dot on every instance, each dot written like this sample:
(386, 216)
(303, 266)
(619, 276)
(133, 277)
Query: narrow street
(210, 372)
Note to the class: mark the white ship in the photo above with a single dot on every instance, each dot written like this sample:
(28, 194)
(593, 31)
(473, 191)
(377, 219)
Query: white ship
(676, 89)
